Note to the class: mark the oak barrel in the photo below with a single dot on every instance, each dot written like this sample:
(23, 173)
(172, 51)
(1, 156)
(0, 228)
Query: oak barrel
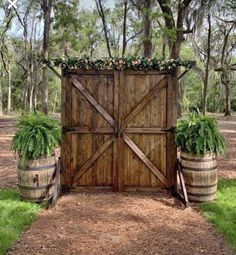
(36, 179)
(200, 175)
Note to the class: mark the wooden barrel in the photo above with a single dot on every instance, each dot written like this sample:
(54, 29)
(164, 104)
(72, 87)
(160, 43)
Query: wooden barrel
(200, 175)
(36, 179)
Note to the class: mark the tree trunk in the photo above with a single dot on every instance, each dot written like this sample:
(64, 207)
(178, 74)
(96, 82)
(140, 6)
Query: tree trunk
(31, 94)
(47, 8)
(227, 97)
(102, 15)
(175, 48)
(226, 82)
(163, 48)
(204, 108)
(124, 28)
(1, 105)
(9, 90)
(54, 102)
(147, 29)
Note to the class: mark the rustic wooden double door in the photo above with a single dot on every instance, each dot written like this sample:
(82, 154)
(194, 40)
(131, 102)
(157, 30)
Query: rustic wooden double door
(117, 129)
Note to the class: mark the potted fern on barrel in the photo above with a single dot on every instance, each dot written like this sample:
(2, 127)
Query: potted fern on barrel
(200, 142)
(35, 140)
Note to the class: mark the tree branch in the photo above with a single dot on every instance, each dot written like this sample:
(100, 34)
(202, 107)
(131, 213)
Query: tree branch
(102, 15)
(133, 36)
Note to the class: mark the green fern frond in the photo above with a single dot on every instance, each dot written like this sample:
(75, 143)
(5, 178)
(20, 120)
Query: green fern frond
(198, 134)
(37, 136)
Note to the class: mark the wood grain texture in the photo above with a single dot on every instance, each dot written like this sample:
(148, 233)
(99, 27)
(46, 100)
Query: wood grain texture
(66, 102)
(96, 105)
(144, 159)
(144, 101)
(85, 166)
(171, 118)
(116, 129)
(36, 179)
(201, 176)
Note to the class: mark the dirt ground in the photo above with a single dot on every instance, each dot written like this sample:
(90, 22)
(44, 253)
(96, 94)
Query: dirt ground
(8, 161)
(227, 163)
(125, 223)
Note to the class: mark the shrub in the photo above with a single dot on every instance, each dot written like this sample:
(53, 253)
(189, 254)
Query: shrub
(198, 134)
(37, 136)
(233, 105)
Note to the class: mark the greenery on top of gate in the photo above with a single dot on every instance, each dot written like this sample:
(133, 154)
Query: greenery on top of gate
(130, 63)
(37, 136)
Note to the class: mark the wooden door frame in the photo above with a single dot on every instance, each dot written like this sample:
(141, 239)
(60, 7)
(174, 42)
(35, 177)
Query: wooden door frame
(119, 130)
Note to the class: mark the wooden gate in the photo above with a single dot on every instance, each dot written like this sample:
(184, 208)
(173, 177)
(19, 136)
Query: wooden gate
(117, 129)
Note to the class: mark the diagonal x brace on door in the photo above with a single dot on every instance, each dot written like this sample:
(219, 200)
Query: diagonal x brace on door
(93, 102)
(88, 163)
(145, 160)
(144, 101)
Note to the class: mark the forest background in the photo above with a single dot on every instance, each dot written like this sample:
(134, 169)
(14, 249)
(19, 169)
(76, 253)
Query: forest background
(198, 30)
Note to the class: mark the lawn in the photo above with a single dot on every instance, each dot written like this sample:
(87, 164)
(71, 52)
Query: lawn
(15, 216)
(222, 212)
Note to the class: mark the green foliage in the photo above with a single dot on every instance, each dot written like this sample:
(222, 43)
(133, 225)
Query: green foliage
(233, 104)
(222, 212)
(37, 136)
(132, 63)
(15, 216)
(199, 135)
(192, 91)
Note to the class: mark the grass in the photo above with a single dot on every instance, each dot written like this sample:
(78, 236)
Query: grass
(15, 216)
(222, 212)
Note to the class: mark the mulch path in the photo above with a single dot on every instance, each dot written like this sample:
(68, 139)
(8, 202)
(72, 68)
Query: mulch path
(119, 223)
(108, 223)
(8, 161)
(227, 163)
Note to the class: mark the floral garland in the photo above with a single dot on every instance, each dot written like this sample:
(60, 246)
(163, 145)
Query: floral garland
(130, 63)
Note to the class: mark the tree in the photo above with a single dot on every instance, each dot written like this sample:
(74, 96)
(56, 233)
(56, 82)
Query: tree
(147, 29)
(3, 49)
(208, 56)
(178, 19)
(100, 8)
(47, 10)
(226, 30)
(226, 66)
(66, 27)
(29, 18)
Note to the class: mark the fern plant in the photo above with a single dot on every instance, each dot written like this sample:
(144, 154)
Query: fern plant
(37, 136)
(199, 135)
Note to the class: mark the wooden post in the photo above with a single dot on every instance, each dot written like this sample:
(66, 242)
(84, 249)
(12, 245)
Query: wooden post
(171, 118)
(120, 141)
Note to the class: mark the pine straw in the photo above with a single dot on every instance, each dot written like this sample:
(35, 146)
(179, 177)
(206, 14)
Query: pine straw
(124, 223)
(109, 223)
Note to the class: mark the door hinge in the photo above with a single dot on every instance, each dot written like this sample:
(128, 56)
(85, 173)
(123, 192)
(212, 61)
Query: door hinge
(170, 130)
(67, 129)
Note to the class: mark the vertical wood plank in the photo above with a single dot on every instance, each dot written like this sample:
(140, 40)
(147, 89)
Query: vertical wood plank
(66, 138)
(118, 94)
(171, 117)
(115, 164)
(120, 141)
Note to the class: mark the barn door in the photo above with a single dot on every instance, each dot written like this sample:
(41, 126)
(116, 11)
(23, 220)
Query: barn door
(89, 129)
(145, 131)
(116, 133)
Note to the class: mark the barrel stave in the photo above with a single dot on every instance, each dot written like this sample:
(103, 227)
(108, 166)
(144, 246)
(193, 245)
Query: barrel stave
(36, 179)
(201, 176)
